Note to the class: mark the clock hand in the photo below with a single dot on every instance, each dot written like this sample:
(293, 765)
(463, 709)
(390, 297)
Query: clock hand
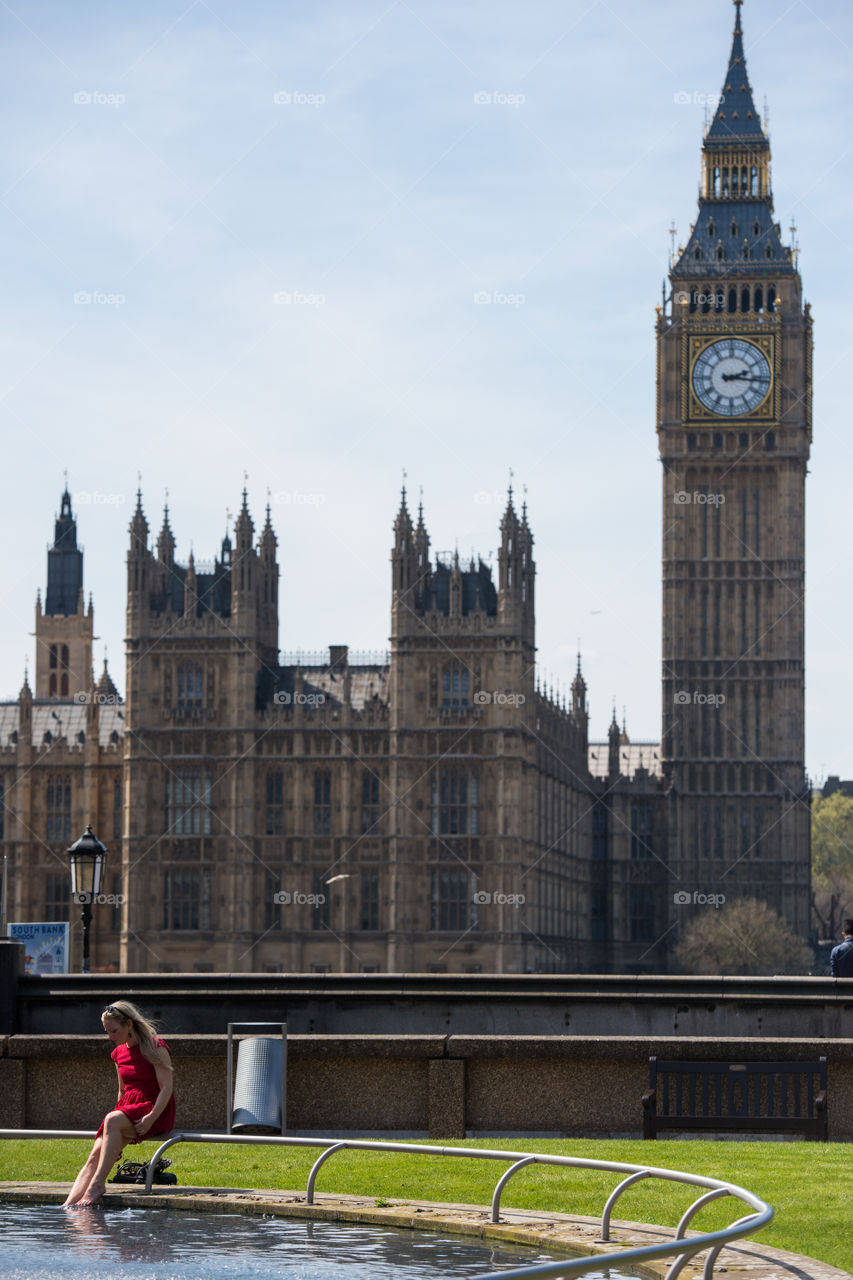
(751, 377)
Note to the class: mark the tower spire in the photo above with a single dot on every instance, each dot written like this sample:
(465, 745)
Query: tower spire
(735, 223)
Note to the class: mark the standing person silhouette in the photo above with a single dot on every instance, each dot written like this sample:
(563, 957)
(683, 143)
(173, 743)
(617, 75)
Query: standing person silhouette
(145, 1104)
(841, 959)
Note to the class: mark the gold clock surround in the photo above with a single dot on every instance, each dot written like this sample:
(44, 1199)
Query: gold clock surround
(694, 343)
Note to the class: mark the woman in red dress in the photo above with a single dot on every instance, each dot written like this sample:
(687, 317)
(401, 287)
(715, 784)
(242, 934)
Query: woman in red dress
(145, 1105)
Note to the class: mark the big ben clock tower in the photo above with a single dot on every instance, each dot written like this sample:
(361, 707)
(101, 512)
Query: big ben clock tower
(734, 427)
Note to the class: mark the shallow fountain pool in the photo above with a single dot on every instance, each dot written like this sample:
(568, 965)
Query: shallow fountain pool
(42, 1242)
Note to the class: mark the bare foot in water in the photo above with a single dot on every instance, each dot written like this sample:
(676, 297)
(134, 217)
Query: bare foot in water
(94, 1193)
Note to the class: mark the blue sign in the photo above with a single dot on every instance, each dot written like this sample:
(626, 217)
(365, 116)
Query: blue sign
(46, 945)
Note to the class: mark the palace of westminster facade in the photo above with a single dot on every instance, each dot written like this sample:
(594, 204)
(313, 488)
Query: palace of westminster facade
(438, 811)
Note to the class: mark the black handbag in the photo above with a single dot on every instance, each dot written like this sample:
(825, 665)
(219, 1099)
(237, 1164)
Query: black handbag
(132, 1171)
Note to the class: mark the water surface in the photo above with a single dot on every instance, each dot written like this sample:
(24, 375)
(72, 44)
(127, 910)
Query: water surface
(43, 1242)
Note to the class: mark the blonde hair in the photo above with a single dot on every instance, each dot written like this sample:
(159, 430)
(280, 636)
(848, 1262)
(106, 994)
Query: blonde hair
(145, 1031)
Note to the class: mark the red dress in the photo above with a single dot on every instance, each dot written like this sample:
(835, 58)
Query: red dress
(139, 1080)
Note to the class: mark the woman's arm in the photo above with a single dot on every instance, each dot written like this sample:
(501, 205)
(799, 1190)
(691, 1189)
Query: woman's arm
(120, 1086)
(164, 1080)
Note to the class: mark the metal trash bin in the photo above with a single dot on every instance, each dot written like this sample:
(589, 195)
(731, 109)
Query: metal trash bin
(258, 1104)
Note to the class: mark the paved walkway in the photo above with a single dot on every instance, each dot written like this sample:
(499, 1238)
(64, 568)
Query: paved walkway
(745, 1260)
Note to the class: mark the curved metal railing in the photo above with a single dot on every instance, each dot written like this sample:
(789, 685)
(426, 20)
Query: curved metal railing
(680, 1248)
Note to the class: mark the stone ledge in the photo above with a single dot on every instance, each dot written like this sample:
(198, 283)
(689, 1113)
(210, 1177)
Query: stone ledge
(638, 1049)
(625, 1048)
(202, 1046)
(744, 1260)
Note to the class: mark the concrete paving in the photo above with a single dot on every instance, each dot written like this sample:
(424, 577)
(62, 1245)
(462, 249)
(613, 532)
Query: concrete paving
(745, 1260)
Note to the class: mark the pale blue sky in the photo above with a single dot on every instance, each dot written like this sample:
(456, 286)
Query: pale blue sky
(148, 164)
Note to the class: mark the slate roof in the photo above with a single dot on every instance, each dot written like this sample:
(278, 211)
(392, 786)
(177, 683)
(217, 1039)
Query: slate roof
(368, 685)
(755, 227)
(478, 590)
(632, 756)
(213, 589)
(736, 119)
(61, 720)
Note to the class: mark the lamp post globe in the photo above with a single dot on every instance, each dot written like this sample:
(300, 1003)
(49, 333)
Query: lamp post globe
(87, 857)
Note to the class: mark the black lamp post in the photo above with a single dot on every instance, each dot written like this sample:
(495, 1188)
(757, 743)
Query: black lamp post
(87, 857)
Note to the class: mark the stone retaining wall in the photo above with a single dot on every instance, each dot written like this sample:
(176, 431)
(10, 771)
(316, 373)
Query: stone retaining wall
(444, 1086)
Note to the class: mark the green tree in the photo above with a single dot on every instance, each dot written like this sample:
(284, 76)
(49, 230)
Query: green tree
(744, 936)
(832, 862)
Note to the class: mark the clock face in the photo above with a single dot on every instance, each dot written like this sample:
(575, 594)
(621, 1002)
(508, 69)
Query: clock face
(731, 377)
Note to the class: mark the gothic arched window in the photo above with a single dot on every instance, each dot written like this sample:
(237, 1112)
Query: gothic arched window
(455, 802)
(190, 686)
(322, 802)
(455, 687)
(58, 806)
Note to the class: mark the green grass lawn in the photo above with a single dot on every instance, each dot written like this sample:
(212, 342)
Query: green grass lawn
(809, 1184)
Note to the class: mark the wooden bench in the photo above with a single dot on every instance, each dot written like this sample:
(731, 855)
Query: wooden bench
(737, 1097)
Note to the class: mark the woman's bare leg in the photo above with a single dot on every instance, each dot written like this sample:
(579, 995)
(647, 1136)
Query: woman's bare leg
(118, 1131)
(84, 1177)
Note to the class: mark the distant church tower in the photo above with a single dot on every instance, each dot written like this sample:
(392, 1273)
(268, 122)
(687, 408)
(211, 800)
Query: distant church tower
(64, 627)
(734, 429)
